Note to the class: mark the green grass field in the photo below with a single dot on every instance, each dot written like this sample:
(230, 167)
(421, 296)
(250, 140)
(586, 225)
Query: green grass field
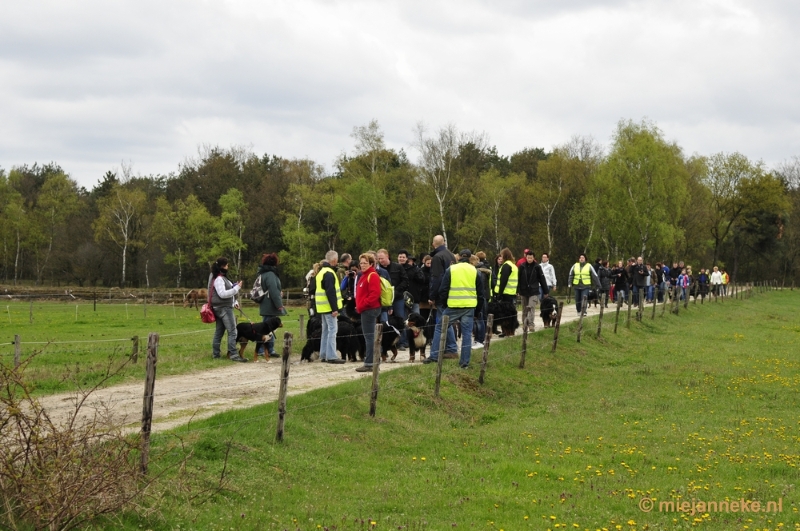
(703, 407)
(75, 347)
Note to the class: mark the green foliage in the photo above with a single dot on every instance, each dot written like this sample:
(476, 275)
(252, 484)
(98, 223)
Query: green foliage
(643, 183)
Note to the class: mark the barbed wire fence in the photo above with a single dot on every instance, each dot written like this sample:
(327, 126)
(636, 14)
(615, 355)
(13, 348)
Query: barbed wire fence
(280, 408)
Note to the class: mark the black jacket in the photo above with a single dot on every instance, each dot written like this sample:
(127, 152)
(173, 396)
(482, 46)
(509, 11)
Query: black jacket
(619, 276)
(398, 278)
(531, 278)
(416, 282)
(640, 274)
(441, 260)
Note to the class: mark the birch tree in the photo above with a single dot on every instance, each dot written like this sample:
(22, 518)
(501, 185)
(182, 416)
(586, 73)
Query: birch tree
(119, 215)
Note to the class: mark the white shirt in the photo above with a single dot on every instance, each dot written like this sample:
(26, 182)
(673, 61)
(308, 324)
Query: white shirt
(549, 274)
(716, 277)
(219, 287)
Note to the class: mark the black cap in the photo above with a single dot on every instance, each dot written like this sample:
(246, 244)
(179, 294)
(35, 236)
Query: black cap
(466, 253)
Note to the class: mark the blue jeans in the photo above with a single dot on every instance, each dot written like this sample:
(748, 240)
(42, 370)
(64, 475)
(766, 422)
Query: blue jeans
(327, 342)
(368, 320)
(454, 314)
(225, 321)
(650, 292)
(269, 346)
(480, 323)
(580, 293)
(399, 307)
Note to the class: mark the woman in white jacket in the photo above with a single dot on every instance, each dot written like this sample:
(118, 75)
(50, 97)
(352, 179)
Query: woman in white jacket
(716, 281)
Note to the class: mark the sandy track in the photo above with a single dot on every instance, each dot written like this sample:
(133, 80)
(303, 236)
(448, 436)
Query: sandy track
(202, 394)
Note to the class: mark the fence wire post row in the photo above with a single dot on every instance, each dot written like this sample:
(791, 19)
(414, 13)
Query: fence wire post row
(376, 364)
(287, 350)
(147, 406)
(487, 341)
(442, 345)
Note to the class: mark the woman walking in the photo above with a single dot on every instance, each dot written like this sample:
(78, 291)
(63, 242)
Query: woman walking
(222, 293)
(272, 304)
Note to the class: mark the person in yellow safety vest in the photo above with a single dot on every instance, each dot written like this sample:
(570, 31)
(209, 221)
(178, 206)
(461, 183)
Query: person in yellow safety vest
(328, 301)
(582, 277)
(505, 288)
(725, 280)
(460, 288)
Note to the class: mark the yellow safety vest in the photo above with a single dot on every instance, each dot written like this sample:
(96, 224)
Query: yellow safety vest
(581, 274)
(462, 292)
(513, 280)
(321, 297)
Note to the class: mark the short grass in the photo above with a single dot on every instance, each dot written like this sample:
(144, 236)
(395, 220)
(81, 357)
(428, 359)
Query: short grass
(701, 406)
(74, 344)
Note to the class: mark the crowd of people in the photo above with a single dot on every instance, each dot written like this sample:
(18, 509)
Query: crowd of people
(460, 286)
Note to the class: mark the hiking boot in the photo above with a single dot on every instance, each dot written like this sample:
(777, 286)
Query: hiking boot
(430, 360)
(238, 358)
(364, 368)
(337, 361)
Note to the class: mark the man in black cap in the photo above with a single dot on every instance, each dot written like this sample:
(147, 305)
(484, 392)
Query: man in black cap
(459, 292)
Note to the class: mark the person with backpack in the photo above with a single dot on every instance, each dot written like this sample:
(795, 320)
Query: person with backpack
(222, 295)
(368, 305)
(271, 303)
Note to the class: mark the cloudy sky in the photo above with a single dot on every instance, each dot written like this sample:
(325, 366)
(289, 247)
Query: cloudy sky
(92, 84)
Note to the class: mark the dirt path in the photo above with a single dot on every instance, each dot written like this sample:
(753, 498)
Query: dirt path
(232, 386)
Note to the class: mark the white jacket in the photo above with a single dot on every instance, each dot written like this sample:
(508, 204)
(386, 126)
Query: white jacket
(549, 274)
(716, 277)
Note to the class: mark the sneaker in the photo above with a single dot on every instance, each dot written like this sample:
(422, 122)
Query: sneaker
(430, 360)
(401, 347)
(364, 368)
(274, 355)
(238, 358)
(338, 361)
(477, 345)
(465, 366)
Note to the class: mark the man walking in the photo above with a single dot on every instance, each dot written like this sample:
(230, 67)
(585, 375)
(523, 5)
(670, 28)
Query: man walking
(459, 291)
(397, 276)
(328, 300)
(582, 277)
(549, 273)
(532, 282)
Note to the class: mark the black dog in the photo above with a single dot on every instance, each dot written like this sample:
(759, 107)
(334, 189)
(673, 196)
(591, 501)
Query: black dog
(593, 298)
(549, 311)
(390, 336)
(419, 331)
(258, 332)
(346, 338)
(505, 316)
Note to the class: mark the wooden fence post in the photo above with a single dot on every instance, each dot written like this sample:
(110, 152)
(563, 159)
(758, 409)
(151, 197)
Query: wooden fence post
(677, 308)
(655, 303)
(580, 317)
(630, 300)
(376, 363)
(287, 350)
(17, 350)
(485, 360)
(147, 406)
(524, 343)
(144, 299)
(616, 319)
(302, 334)
(95, 301)
(30, 312)
(600, 320)
(135, 349)
(664, 305)
(442, 346)
(558, 325)
(640, 310)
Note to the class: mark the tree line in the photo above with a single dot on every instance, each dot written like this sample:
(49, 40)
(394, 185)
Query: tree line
(641, 195)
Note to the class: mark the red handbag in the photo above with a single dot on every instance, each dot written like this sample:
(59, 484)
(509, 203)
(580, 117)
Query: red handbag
(206, 313)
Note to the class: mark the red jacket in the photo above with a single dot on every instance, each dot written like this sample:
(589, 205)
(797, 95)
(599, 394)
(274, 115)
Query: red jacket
(368, 291)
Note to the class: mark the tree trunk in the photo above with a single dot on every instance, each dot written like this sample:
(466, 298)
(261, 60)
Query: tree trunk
(124, 256)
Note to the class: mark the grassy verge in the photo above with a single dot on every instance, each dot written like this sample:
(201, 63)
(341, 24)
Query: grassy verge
(75, 344)
(702, 406)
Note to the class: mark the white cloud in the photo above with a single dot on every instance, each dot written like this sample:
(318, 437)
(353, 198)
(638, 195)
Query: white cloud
(88, 85)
